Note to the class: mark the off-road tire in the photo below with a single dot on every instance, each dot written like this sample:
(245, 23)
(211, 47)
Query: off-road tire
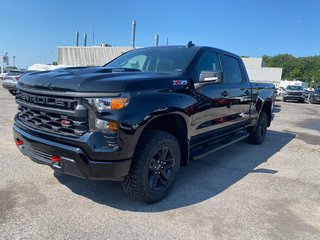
(141, 182)
(257, 134)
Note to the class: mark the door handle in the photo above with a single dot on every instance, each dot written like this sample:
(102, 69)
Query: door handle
(224, 94)
(247, 92)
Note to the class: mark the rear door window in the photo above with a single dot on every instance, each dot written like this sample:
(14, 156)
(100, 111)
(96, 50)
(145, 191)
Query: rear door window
(231, 69)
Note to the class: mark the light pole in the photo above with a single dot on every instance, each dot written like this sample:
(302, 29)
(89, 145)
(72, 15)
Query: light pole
(14, 61)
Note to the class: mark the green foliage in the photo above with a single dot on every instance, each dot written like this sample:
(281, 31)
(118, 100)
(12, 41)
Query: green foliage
(306, 69)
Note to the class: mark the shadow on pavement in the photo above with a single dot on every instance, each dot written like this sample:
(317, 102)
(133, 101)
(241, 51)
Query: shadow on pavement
(201, 180)
(277, 108)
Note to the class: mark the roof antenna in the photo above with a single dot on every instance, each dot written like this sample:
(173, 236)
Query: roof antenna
(190, 44)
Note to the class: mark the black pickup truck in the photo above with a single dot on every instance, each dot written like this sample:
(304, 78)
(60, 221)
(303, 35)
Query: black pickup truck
(141, 116)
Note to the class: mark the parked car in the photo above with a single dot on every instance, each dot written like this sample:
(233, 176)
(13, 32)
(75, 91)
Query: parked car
(314, 97)
(295, 93)
(11, 79)
(280, 91)
(2, 75)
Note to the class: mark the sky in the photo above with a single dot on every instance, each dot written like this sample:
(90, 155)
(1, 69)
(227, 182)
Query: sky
(32, 30)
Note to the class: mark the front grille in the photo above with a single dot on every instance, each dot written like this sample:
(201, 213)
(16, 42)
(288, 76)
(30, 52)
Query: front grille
(295, 94)
(52, 114)
(48, 101)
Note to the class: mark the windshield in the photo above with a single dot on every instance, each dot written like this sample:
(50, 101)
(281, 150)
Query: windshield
(162, 60)
(294, 88)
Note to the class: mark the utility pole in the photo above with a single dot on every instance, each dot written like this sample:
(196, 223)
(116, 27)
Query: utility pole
(77, 38)
(133, 34)
(7, 59)
(156, 40)
(2, 66)
(84, 39)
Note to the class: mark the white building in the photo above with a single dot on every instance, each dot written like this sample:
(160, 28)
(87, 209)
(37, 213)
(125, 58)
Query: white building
(258, 72)
(89, 56)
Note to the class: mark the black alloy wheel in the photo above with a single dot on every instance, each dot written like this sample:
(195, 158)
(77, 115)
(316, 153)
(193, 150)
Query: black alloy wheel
(154, 166)
(161, 169)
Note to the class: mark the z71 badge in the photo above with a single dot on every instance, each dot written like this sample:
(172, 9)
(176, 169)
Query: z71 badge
(180, 82)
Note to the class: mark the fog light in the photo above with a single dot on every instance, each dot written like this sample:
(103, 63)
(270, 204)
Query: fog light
(102, 124)
(106, 125)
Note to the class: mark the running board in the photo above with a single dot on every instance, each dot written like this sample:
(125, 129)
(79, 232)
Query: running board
(210, 148)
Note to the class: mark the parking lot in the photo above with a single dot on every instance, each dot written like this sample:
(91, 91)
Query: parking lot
(270, 191)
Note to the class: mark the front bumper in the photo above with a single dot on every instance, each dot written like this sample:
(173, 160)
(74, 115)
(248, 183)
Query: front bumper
(316, 99)
(74, 161)
(9, 84)
(294, 97)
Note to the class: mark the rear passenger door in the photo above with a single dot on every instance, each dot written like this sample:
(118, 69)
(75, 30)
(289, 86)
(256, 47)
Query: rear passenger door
(237, 89)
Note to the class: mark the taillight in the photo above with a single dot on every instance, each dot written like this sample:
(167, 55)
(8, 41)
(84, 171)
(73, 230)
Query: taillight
(17, 78)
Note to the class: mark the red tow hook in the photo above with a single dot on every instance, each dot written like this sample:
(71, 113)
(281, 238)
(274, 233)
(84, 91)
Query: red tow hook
(55, 159)
(19, 142)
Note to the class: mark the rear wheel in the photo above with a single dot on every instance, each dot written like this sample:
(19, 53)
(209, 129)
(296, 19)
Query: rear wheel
(257, 135)
(154, 168)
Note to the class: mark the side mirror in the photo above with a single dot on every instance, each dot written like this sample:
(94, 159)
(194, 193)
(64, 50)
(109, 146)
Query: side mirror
(210, 76)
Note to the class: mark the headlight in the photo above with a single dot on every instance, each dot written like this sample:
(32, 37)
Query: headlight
(102, 104)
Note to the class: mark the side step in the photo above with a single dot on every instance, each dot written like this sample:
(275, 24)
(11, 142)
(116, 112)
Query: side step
(209, 148)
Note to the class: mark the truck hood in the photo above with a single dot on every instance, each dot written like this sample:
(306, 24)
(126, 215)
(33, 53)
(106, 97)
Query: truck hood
(86, 79)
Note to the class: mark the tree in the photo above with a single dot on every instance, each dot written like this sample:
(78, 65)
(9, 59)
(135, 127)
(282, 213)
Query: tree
(306, 69)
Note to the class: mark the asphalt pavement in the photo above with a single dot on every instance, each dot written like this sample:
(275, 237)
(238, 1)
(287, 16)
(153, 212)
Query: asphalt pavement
(269, 191)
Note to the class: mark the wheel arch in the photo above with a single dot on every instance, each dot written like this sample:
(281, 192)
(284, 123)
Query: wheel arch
(176, 123)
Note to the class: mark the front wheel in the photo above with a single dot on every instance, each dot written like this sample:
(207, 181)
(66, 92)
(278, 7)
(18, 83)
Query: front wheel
(257, 135)
(154, 168)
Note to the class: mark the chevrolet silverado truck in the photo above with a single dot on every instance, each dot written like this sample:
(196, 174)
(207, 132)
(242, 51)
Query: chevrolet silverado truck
(141, 116)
